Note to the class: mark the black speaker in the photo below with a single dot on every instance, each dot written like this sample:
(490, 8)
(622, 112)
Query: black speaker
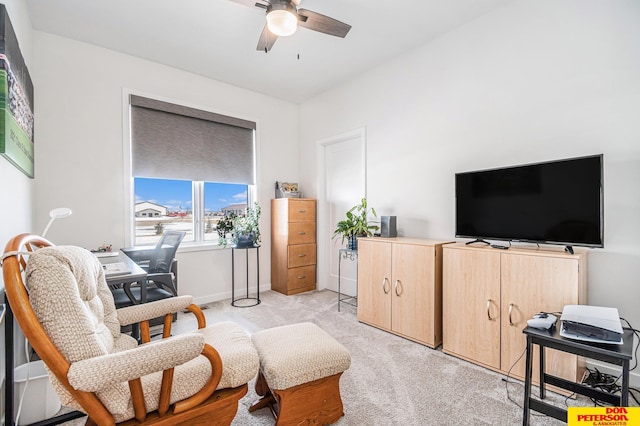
(388, 226)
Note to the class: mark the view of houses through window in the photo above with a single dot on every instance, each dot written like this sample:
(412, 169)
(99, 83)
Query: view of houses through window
(164, 205)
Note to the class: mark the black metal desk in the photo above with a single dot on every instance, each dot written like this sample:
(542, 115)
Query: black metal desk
(353, 256)
(611, 353)
(256, 300)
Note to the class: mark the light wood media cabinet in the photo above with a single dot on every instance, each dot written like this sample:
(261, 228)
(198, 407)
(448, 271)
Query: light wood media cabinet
(400, 287)
(489, 294)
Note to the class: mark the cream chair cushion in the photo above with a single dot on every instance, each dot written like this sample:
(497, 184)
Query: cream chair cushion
(63, 290)
(299, 353)
(239, 357)
(71, 299)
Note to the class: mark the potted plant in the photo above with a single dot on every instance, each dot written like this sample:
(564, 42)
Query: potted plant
(224, 227)
(246, 228)
(356, 224)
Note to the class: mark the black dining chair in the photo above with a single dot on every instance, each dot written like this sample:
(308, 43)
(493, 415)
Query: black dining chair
(161, 267)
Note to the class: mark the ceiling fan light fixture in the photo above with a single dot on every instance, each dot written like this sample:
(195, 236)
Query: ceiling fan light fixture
(282, 22)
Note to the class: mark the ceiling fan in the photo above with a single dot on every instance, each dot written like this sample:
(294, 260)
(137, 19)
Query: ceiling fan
(284, 16)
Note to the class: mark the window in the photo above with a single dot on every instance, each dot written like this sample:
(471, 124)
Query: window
(168, 205)
(189, 167)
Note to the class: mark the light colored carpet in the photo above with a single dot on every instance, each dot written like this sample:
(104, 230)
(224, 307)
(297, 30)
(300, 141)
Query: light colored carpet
(392, 381)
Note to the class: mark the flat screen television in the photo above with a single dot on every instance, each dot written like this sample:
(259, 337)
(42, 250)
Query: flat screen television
(555, 202)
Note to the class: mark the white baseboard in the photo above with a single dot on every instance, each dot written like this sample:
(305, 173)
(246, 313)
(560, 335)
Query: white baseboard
(224, 295)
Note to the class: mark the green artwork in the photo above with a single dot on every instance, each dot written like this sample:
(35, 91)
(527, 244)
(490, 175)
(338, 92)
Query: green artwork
(16, 101)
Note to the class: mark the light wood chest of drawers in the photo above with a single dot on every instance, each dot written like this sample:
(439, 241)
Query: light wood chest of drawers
(293, 245)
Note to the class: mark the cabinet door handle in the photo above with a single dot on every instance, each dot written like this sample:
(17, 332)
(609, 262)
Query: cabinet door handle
(301, 233)
(488, 310)
(398, 286)
(302, 255)
(384, 285)
(300, 277)
(302, 211)
(510, 310)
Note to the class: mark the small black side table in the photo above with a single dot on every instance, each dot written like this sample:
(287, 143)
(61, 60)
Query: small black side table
(611, 353)
(255, 300)
(353, 256)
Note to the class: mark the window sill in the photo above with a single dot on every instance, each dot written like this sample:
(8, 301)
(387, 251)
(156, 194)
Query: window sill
(193, 247)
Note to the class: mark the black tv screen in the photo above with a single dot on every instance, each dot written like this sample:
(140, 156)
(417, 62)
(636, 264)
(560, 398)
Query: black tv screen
(555, 202)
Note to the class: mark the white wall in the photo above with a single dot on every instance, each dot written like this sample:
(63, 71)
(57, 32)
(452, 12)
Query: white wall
(532, 81)
(79, 155)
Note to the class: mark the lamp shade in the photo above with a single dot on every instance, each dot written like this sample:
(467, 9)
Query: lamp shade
(60, 212)
(282, 22)
(54, 214)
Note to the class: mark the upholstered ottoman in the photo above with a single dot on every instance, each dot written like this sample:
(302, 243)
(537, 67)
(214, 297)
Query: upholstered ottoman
(300, 369)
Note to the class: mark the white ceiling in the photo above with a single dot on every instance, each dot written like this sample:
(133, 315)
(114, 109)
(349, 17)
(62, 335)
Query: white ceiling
(217, 38)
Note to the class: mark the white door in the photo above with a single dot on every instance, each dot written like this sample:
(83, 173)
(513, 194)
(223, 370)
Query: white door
(343, 186)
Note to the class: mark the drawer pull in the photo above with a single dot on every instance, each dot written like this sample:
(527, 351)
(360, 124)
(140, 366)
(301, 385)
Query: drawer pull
(488, 311)
(302, 211)
(302, 255)
(301, 277)
(301, 233)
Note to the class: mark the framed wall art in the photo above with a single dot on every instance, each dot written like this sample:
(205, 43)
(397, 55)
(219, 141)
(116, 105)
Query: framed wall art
(16, 100)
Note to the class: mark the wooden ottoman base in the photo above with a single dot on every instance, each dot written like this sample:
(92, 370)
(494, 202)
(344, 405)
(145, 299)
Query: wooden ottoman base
(317, 402)
(300, 370)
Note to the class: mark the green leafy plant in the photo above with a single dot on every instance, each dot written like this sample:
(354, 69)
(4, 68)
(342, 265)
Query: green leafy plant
(357, 223)
(247, 224)
(224, 227)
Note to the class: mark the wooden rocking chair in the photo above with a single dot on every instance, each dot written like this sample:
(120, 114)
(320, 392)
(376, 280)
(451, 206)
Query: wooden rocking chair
(66, 311)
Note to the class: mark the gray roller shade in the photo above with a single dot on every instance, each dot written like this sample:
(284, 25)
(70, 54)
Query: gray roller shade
(175, 142)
